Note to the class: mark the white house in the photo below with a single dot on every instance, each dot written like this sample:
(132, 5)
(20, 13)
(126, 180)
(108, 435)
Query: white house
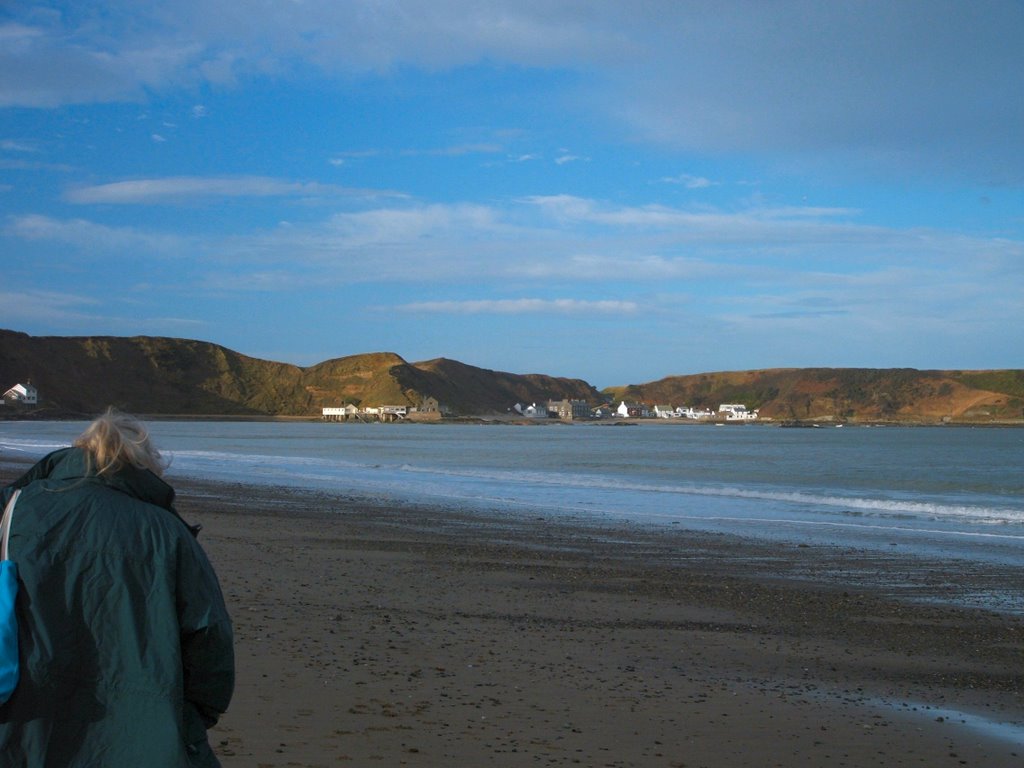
(632, 410)
(665, 412)
(736, 412)
(25, 394)
(342, 413)
(688, 412)
(531, 411)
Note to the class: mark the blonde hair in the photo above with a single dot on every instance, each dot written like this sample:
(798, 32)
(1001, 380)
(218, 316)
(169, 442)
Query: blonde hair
(116, 439)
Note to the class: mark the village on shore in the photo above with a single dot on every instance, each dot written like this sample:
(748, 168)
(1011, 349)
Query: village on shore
(561, 410)
(431, 410)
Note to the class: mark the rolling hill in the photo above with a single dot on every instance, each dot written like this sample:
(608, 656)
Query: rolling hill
(846, 394)
(156, 375)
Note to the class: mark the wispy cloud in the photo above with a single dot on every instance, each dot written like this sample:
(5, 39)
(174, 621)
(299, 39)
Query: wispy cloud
(187, 188)
(408, 225)
(44, 304)
(87, 236)
(647, 65)
(12, 145)
(522, 307)
(543, 238)
(690, 182)
(65, 311)
(18, 164)
(762, 225)
(457, 150)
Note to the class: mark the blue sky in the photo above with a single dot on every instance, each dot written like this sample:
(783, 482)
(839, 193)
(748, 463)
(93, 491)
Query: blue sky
(604, 190)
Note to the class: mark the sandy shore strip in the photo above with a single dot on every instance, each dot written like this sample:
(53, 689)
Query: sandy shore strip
(376, 635)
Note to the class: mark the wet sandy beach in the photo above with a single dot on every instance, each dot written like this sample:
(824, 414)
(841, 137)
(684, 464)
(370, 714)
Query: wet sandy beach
(425, 637)
(375, 635)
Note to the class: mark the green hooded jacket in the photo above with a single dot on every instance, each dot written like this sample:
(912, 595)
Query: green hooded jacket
(125, 644)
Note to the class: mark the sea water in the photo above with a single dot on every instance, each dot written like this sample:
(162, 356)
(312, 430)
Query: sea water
(946, 491)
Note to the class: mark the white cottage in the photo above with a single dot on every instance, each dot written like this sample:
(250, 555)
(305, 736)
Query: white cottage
(736, 412)
(24, 394)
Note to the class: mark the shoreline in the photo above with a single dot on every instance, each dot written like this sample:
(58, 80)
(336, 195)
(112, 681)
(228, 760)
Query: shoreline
(425, 636)
(504, 420)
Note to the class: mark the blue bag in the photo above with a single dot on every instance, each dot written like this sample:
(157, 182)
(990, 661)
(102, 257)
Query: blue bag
(8, 619)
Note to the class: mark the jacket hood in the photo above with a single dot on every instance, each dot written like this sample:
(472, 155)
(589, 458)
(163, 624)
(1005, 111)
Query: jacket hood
(73, 464)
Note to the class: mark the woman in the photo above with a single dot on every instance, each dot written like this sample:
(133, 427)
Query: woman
(125, 642)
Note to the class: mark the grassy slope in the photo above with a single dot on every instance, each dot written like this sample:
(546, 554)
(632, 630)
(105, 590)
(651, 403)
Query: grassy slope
(179, 376)
(846, 393)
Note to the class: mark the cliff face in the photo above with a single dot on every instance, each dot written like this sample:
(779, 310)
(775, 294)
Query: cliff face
(847, 394)
(178, 376)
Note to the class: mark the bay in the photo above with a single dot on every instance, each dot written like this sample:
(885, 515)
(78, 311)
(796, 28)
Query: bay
(951, 492)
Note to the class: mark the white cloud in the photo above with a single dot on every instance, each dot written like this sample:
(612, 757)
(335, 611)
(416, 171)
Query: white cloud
(43, 304)
(541, 238)
(760, 226)
(690, 182)
(457, 150)
(916, 84)
(94, 238)
(522, 307)
(11, 145)
(594, 243)
(18, 35)
(187, 188)
(32, 165)
(87, 314)
(52, 59)
(912, 82)
(784, 268)
(416, 224)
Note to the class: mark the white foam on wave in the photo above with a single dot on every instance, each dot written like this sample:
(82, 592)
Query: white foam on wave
(585, 489)
(31, 449)
(883, 507)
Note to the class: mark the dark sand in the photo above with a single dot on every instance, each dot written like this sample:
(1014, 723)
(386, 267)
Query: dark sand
(423, 637)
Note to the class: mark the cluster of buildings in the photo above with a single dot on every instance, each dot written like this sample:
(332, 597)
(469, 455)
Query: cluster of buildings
(387, 413)
(563, 410)
(568, 410)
